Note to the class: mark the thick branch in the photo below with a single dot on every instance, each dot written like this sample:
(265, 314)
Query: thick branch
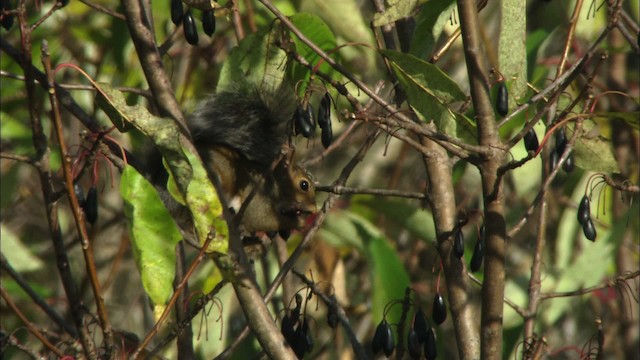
(442, 199)
(493, 287)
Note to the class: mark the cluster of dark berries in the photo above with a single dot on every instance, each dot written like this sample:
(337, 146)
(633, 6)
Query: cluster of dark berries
(561, 146)
(295, 328)
(584, 218)
(421, 338)
(88, 203)
(178, 15)
(478, 249)
(305, 124)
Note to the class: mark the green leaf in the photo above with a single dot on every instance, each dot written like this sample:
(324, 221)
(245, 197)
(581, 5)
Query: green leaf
(534, 41)
(396, 10)
(430, 23)
(256, 60)
(415, 219)
(318, 32)
(595, 154)
(388, 275)
(17, 253)
(153, 233)
(511, 47)
(430, 91)
(630, 118)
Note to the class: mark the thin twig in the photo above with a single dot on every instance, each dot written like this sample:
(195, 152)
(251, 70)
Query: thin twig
(174, 297)
(32, 329)
(6, 266)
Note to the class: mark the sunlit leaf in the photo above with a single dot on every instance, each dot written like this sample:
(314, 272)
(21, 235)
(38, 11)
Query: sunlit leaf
(511, 47)
(318, 32)
(430, 23)
(153, 234)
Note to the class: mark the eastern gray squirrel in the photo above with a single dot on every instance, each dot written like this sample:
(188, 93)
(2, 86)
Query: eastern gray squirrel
(240, 134)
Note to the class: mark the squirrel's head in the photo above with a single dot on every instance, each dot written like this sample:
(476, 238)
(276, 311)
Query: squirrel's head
(297, 197)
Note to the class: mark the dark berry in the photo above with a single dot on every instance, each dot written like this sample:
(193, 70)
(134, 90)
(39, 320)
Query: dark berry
(7, 20)
(458, 243)
(502, 100)
(176, 12)
(303, 121)
(589, 230)
(478, 255)
(286, 327)
(584, 210)
(91, 205)
(189, 27)
(324, 111)
(531, 141)
(383, 339)
(413, 344)
(208, 22)
(439, 313)
(327, 135)
(430, 346)
(568, 163)
(421, 325)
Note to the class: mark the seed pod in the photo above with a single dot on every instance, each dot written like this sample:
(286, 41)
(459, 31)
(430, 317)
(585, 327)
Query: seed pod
(421, 325)
(584, 210)
(439, 313)
(568, 163)
(303, 121)
(458, 243)
(208, 22)
(589, 230)
(189, 27)
(478, 255)
(383, 339)
(413, 344)
(91, 205)
(531, 141)
(502, 99)
(430, 346)
(176, 12)
(561, 141)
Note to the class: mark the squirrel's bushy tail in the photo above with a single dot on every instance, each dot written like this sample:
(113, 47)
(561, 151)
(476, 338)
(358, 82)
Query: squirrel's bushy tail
(252, 122)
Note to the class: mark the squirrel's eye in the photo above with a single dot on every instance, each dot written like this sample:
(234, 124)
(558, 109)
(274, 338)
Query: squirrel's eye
(304, 185)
